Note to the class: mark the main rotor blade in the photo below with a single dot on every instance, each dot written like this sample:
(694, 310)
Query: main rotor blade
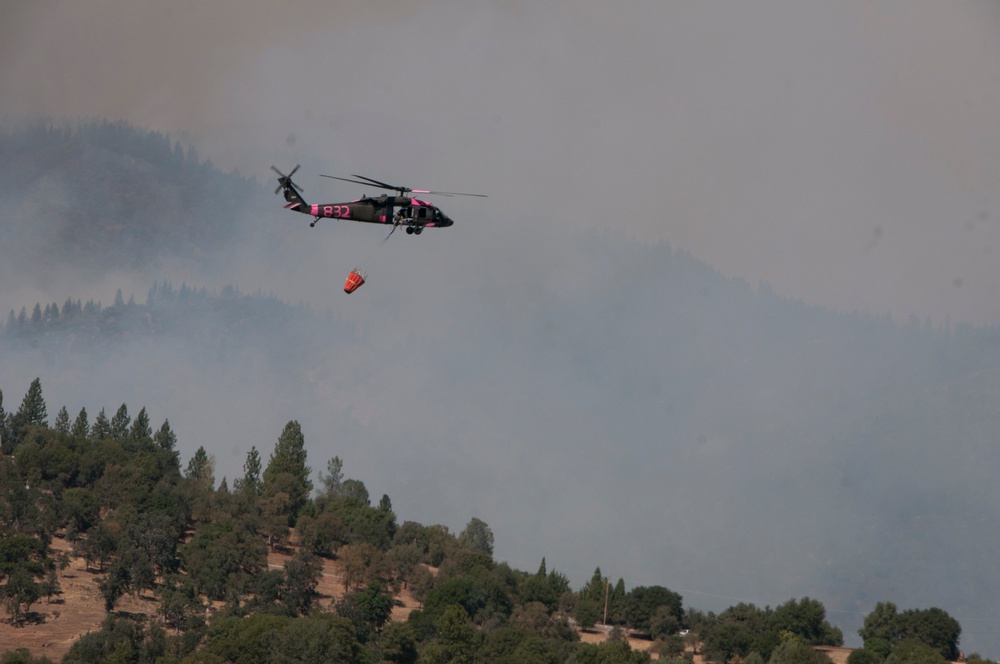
(367, 184)
(381, 184)
(403, 190)
(445, 193)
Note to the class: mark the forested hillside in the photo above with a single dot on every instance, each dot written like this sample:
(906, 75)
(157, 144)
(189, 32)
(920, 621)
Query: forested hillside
(147, 524)
(214, 326)
(106, 194)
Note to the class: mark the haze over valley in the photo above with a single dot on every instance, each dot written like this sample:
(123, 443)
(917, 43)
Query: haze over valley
(599, 400)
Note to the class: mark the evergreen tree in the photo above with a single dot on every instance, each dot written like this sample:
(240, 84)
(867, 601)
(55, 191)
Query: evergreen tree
(81, 425)
(4, 433)
(101, 428)
(165, 442)
(596, 588)
(31, 413)
(333, 478)
(119, 423)
(32, 410)
(289, 457)
(165, 438)
(141, 430)
(616, 604)
(251, 482)
(201, 468)
(62, 420)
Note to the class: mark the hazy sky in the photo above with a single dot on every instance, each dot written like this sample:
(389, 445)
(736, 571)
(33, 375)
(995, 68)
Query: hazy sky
(848, 154)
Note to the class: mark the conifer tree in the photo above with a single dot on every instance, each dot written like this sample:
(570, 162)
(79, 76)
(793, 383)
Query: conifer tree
(4, 433)
(31, 413)
(165, 438)
(333, 478)
(289, 457)
(32, 410)
(101, 428)
(251, 482)
(140, 427)
(119, 423)
(62, 420)
(166, 441)
(201, 468)
(595, 588)
(81, 425)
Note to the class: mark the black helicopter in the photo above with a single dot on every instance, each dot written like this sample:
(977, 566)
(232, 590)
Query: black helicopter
(413, 213)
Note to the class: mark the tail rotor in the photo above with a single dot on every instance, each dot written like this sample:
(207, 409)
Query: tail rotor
(285, 181)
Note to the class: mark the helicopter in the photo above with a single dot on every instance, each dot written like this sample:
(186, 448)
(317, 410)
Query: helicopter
(413, 213)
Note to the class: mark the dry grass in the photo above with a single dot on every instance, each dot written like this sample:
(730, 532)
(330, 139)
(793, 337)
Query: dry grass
(80, 608)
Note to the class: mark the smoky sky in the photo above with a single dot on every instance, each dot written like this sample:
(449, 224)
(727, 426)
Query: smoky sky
(844, 155)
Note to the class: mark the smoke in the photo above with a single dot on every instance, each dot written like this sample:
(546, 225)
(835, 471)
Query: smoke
(549, 364)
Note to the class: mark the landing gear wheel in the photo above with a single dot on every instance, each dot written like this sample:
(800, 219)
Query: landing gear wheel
(409, 230)
(418, 230)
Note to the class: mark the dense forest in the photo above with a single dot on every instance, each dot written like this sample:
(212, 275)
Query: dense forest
(115, 487)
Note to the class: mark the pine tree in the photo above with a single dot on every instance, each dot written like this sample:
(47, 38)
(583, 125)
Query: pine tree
(333, 478)
(140, 430)
(32, 410)
(250, 483)
(595, 588)
(31, 413)
(81, 425)
(201, 468)
(289, 457)
(62, 420)
(101, 428)
(165, 438)
(166, 441)
(119, 423)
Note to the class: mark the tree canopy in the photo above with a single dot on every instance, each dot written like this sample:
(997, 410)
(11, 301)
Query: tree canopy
(115, 490)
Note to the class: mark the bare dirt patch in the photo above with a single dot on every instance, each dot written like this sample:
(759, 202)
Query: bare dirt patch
(78, 610)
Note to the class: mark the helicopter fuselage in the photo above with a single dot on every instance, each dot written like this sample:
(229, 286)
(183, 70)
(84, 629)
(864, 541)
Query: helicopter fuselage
(401, 210)
(413, 213)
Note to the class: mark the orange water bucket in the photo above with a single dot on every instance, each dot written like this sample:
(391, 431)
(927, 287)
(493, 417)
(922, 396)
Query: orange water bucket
(354, 281)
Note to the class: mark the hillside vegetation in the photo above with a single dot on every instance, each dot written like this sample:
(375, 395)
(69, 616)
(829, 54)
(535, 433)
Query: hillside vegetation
(115, 488)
